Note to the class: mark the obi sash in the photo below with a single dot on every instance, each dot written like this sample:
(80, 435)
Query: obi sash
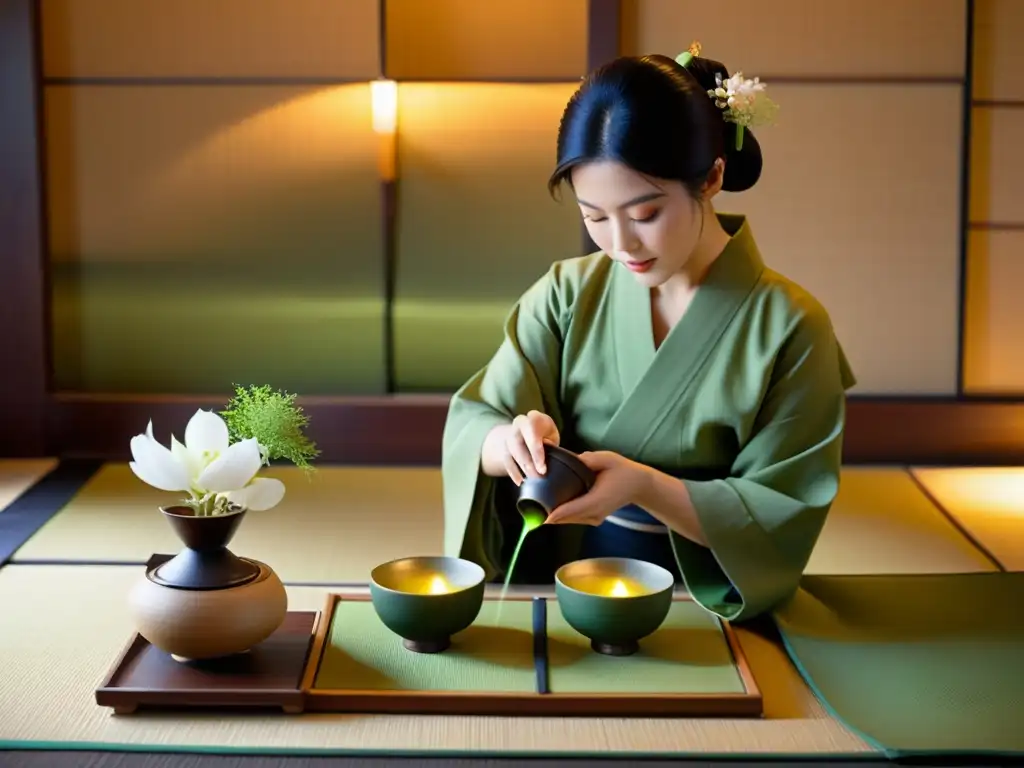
(633, 518)
(634, 533)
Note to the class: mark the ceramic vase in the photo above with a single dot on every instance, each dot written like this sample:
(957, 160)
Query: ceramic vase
(206, 602)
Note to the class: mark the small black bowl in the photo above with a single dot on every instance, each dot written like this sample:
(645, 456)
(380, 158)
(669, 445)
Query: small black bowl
(566, 478)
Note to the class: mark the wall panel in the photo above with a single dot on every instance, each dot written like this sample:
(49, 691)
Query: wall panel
(994, 351)
(474, 40)
(861, 206)
(997, 165)
(807, 38)
(994, 313)
(998, 53)
(205, 236)
(476, 225)
(211, 38)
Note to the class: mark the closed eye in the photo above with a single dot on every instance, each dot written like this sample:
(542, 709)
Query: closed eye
(644, 220)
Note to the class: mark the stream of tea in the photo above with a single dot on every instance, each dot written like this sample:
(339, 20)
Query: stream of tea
(533, 518)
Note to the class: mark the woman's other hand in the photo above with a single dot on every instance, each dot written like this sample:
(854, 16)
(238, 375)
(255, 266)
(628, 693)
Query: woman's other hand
(619, 481)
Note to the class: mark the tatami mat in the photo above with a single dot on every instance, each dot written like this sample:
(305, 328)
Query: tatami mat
(882, 523)
(18, 475)
(336, 525)
(988, 502)
(332, 526)
(64, 625)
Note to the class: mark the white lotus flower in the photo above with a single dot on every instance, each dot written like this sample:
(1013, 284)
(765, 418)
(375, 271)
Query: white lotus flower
(206, 464)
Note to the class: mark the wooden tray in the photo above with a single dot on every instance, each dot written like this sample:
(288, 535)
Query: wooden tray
(530, 674)
(268, 676)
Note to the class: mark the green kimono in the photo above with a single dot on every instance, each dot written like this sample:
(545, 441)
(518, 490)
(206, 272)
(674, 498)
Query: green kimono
(752, 379)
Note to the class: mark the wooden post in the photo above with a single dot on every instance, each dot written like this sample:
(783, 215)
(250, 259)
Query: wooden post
(24, 292)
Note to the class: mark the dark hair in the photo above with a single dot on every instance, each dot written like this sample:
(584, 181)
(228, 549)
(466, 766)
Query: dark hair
(656, 117)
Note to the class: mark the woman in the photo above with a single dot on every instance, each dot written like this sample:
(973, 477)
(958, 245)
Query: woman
(706, 391)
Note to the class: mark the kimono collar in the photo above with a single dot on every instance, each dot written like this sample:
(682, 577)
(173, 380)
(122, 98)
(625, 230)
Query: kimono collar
(653, 377)
(739, 264)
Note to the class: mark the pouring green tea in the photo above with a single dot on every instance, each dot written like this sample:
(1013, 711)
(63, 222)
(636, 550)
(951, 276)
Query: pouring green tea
(566, 479)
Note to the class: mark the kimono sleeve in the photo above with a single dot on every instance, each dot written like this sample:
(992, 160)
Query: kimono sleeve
(762, 522)
(523, 375)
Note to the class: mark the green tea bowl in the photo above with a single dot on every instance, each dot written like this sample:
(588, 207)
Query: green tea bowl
(615, 602)
(426, 600)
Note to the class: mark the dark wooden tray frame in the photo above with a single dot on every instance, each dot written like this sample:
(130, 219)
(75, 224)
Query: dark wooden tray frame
(746, 705)
(127, 699)
(315, 627)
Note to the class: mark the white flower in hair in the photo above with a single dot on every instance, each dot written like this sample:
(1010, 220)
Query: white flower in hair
(744, 102)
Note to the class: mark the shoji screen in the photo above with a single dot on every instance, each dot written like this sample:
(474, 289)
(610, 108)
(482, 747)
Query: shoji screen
(994, 350)
(213, 195)
(859, 199)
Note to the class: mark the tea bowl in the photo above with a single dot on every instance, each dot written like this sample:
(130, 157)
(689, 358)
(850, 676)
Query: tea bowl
(426, 600)
(614, 601)
(566, 478)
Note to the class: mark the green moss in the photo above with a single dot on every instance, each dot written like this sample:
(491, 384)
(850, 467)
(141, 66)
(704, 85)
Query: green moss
(273, 418)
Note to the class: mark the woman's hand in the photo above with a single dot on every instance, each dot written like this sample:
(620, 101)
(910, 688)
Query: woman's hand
(523, 454)
(619, 482)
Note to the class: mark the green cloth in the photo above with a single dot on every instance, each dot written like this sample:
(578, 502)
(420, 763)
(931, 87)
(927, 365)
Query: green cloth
(495, 654)
(750, 384)
(689, 653)
(916, 664)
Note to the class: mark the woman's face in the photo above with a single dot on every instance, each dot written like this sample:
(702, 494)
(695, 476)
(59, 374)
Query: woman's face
(651, 226)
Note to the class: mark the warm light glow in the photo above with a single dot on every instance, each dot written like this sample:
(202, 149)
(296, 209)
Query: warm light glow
(607, 585)
(171, 186)
(438, 586)
(988, 491)
(384, 103)
(384, 98)
(988, 502)
(421, 583)
(619, 589)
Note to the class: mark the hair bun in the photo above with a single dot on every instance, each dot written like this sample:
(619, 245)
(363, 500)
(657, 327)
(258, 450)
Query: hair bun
(704, 71)
(743, 166)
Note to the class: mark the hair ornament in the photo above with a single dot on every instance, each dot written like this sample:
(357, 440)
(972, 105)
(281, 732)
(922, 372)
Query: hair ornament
(689, 54)
(743, 101)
